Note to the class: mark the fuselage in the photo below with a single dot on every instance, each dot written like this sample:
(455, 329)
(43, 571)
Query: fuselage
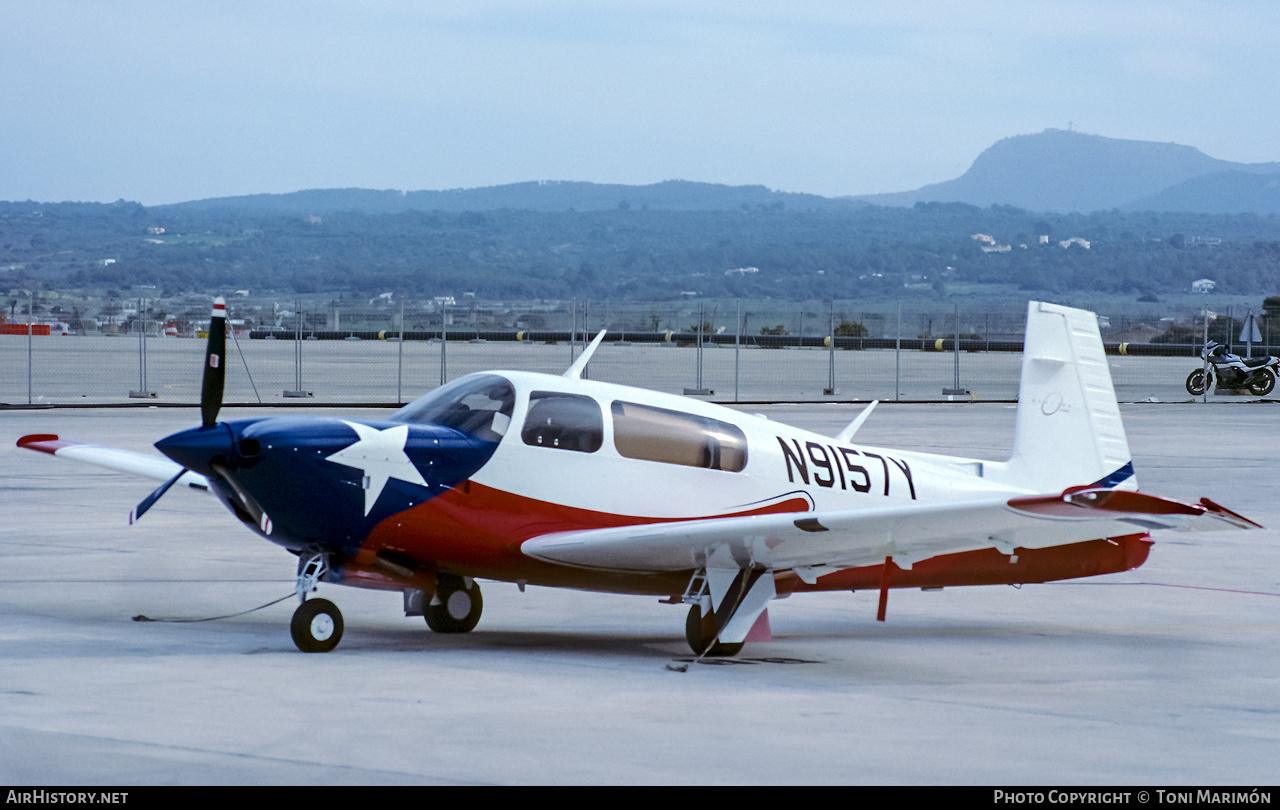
(458, 480)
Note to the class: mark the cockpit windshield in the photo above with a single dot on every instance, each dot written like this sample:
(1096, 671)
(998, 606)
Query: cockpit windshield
(478, 404)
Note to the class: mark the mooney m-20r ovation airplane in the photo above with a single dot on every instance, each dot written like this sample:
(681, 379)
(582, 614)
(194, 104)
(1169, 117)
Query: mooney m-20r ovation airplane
(569, 483)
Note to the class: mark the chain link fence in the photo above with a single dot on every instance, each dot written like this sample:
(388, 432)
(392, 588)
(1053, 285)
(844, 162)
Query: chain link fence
(391, 350)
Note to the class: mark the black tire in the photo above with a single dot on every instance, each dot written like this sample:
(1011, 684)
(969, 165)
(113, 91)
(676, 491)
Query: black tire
(1196, 383)
(698, 632)
(455, 608)
(316, 626)
(1263, 381)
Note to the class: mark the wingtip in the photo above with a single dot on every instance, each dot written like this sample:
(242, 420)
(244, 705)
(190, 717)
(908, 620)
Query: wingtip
(42, 443)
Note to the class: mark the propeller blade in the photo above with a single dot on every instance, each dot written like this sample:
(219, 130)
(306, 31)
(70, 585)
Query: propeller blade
(215, 372)
(151, 499)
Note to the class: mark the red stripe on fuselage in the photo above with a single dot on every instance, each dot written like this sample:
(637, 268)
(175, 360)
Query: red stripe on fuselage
(477, 531)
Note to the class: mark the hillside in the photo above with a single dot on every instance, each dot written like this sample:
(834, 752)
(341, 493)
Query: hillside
(671, 195)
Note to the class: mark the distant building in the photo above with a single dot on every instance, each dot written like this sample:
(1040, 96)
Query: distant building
(742, 271)
(1075, 240)
(1204, 286)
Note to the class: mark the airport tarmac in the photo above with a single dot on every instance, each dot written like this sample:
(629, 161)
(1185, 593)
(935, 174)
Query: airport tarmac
(1163, 676)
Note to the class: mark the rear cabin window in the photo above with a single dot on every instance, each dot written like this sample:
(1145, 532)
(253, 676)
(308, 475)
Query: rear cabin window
(672, 437)
(563, 421)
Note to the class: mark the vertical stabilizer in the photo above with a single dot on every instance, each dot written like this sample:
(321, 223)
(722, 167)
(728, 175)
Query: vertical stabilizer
(1069, 431)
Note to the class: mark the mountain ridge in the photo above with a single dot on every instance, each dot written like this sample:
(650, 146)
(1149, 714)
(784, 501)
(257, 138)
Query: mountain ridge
(553, 195)
(1056, 170)
(1067, 171)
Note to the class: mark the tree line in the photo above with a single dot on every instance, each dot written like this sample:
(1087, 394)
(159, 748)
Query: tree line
(627, 253)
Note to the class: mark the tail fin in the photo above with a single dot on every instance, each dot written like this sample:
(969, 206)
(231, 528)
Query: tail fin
(1069, 431)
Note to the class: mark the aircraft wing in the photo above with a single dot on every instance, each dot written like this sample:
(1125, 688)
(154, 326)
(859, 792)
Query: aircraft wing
(910, 533)
(143, 464)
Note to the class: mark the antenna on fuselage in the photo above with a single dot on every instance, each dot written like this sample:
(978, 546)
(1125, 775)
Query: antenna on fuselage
(575, 371)
(847, 434)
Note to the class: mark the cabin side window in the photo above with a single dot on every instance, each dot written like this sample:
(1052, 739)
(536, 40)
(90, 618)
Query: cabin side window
(671, 437)
(563, 421)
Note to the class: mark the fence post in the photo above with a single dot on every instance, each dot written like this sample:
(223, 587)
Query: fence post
(956, 391)
(31, 309)
(141, 321)
(831, 353)
(737, 350)
(444, 340)
(897, 358)
(400, 358)
(298, 319)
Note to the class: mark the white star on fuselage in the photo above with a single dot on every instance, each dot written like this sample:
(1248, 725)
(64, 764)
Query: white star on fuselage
(380, 455)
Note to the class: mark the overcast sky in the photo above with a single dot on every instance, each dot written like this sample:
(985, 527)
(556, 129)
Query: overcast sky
(170, 101)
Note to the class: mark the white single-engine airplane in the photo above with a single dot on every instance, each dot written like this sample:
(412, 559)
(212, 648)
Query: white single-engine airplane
(569, 483)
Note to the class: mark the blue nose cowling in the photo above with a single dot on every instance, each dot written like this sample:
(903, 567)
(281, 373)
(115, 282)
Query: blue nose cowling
(196, 448)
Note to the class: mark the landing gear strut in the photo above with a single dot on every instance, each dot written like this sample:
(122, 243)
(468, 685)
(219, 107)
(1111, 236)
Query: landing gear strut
(317, 623)
(456, 605)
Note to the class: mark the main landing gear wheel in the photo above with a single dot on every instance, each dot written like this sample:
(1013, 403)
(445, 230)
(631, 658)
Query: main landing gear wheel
(1262, 383)
(1196, 383)
(316, 626)
(455, 608)
(699, 630)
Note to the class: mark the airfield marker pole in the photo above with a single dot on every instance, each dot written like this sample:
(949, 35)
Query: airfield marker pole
(586, 371)
(444, 340)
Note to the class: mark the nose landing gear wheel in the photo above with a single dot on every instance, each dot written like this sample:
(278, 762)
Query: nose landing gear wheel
(316, 626)
(455, 608)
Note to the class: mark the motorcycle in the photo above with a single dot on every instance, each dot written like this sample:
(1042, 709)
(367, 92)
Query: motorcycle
(1257, 374)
